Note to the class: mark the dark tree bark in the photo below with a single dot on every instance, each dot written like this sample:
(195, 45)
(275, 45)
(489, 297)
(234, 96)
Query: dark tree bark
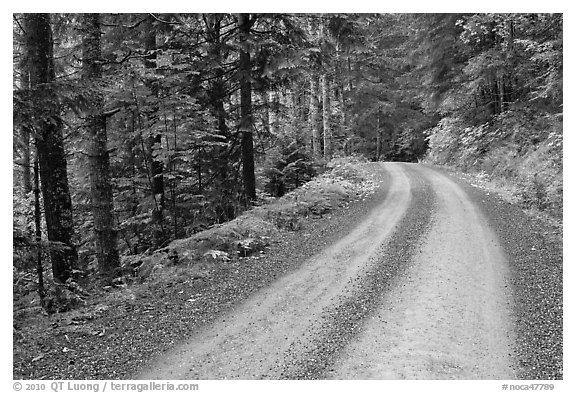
(38, 233)
(217, 89)
(155, 139)
(378, 136)
(266, 112)
(25, 137)
(105, 236)
(217, 94)
(326, 116)
(315, 116)
(50, 146)
(26, 162)
(246, 121)
(340, 84)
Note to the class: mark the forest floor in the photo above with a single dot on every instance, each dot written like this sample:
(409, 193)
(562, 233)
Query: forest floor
(426, 278)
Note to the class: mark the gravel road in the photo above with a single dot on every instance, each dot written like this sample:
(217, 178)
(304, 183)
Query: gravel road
(418, 290)
(448, 316)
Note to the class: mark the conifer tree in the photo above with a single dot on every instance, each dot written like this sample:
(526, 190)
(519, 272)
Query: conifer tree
(105, 237)
(50, 146)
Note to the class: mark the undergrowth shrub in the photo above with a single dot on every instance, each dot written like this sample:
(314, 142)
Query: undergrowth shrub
(287, 167)
(225, 237)
(346, 168)
(540, 174)
(344, 180)
(284, 215)
(517, 146)
(444, 142)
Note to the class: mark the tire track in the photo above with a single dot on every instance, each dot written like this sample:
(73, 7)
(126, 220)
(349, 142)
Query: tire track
(448, 316)
(340, 323)
(252, 340)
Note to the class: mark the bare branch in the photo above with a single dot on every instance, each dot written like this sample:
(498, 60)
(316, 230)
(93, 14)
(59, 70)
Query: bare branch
(18, 23)
(118, 61)
(127, 27)
(111, 112)
(165, 21)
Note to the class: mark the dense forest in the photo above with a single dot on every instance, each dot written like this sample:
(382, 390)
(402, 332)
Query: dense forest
(133, 130)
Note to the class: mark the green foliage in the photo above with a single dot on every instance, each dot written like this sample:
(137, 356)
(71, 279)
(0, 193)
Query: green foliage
(253, 231)
(502, 108)
(61, 298)
(343, 181)
(526, 154)
(487, 88)
(287, 167)
(444, 141)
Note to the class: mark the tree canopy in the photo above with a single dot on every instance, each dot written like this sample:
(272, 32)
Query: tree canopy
(158, 126)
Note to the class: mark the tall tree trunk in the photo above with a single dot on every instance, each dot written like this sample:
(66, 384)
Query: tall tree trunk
(25, 137)
(350, 87)
(274, 112)
(155, 138)
(217, 93)
(341, 90)
(26, 162)
(217, 88)
(378, 137)
(50, 146)
(511, 65)
(501, 93)
(266, 111)
(326, 114)
(314, 116)
(105, 236)
(343, 117)
(295, 111)
(495, 96)
(246, 121)
(38, 232)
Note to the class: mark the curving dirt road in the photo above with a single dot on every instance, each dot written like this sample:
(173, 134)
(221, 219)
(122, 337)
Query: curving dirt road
(443, 315)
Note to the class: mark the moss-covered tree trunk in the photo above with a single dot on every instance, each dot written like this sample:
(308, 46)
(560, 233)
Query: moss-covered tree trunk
(105, 236)
(50, 146)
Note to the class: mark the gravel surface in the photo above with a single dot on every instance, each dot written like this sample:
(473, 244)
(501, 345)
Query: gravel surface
(128, 330)
(338, 325)
(534, 249)
(250, 341)
(115, 341)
